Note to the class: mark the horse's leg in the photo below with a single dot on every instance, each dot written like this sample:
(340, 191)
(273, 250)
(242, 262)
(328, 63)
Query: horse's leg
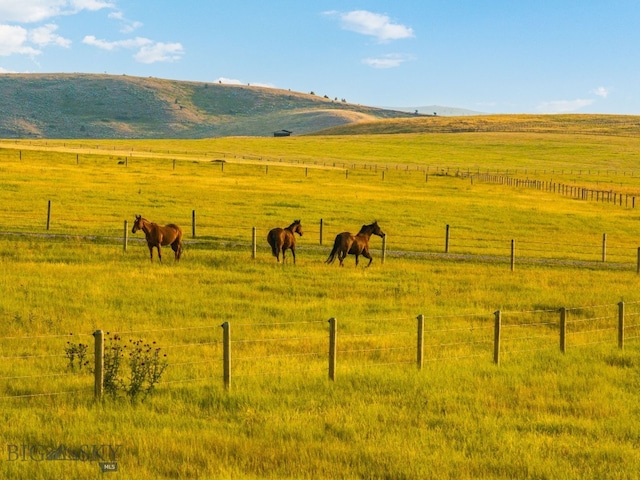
(176, 246)
(159, 252)
(366, 254)
(293, 252)
(150, 252)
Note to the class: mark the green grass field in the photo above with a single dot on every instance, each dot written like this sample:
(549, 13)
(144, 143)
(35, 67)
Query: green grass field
(540, 413)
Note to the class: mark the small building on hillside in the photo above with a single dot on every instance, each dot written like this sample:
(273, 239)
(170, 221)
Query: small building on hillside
(282, 133)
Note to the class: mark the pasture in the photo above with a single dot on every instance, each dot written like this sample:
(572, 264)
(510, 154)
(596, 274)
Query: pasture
(540, 413)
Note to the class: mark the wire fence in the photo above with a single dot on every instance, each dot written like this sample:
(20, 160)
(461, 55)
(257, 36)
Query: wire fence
(210, 232)
(50, 366)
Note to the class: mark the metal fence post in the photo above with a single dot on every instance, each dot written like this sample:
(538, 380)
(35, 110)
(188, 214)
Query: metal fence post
(99, 364)
(446, 241)
(513, 254)
(420, 352)
(48, 214)
(126, 235)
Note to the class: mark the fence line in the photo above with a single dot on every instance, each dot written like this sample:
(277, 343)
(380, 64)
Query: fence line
(450, 243)
(281, 356)
(572, 191)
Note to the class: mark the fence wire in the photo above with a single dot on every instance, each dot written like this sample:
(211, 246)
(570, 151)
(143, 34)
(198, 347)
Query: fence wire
(42, 368)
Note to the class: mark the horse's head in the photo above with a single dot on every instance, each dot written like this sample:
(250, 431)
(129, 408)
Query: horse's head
(137, 224)
(376, 230)
(297, 227)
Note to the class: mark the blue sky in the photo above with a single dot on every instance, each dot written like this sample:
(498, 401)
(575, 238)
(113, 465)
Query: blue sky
(493, 56)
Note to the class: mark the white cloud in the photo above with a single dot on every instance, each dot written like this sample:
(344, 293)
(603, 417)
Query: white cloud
(148, 50)
(564, 106)
(130, 43)
(128, 26)
(43, 36)
(601, 92)
(229, 81)
(30, 11)
(233, 81)
(13, 40)
(391, 60)
(159, 52)
(373, 24)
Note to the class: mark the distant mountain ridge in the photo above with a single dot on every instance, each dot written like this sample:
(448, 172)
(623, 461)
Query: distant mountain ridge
(437, 110)
(109, 106)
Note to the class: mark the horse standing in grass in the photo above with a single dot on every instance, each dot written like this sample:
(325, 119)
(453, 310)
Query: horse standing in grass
(282, 239)
(157, 236)
(346, 243)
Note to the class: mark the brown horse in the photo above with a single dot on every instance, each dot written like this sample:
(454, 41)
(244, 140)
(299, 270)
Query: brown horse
(282, 238)
(346, 243)
(157, 235)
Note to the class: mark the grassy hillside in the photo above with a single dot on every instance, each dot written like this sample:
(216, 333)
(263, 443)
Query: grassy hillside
(105, 106)
(618, 125)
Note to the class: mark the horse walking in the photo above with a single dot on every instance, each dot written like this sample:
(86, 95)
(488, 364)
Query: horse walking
(346, 243)
(157, 236)
(282, 239)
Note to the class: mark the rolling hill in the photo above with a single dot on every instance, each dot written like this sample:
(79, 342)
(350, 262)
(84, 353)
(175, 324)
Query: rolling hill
(107, 106)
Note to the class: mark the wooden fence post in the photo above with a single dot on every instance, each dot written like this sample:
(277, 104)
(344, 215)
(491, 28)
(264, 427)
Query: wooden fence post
(384, 249)
(621, 325)
(253, 243)
(638, 267)
(420, 352)
(193, 223)
(48, 213)
(496, 337)
(226, 355)
(604, 247)
(321, 229)
(126, 235)
(333, 330)
(99, 364)
(563, 329)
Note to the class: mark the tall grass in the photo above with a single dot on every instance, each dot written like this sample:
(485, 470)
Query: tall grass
(539, 414)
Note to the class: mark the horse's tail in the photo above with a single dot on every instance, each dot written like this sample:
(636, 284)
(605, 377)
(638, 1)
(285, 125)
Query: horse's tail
(334, 251)
(271, 238)
(178, 243)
